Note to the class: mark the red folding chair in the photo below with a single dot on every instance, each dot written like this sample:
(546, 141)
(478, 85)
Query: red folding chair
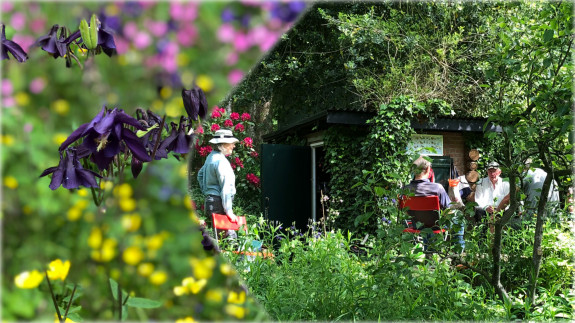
(222, 222)
(424, 210)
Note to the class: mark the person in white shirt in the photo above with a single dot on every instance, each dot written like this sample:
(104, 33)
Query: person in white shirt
(490, 191)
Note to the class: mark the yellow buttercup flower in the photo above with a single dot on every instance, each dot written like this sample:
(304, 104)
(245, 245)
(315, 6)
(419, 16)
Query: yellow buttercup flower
(145, 269)
(173, 109)
(203, 268)
(183, 171)
(205, 82)
(59, 138)
(28, 279)
(95, 238)
(58, 269)
(186, 319)
(22, 99)
(237, 298)
(83, 192)
(194, 286)
(165, 92)
(58, 321)
(214, 295)
(7, 140)
(133, 255)
(227, 269)
(74, 214)
(61, 107)
(234, 310)
(127, 204)
(180, 290)
(106, 185)
(131, 222)
(11, 182)
(158, 277)
(155, 242)
(123, 191)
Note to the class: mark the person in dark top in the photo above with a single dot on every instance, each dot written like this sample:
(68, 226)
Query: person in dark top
(422, 186)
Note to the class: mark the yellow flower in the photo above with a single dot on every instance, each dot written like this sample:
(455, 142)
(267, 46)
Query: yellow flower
(58, 269)
(58, 321)
(127, 204)
(157, 105)
(59, 138)
(95, 238)
(22, 99)
(183, 171)
(83, 192)
(166, 92)
(203, 268)
(133, 255)
(214, 295)
(81, 204)
(194, 286)
(106, 185)
(108, 251)
(237, 298)
(155, 242)
(158, 277)
(74, 214)
(186, 319)
(173, 109)
(61, 107)
(123, 191)
(7, 140)
(28, 279)
(131, 222)
(11, 182)
(234, 310)
(180, 290)
(145, 269)
(227, 269)
(205, 82)
(182, 59)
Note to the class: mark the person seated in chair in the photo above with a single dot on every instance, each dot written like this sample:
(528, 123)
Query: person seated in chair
(422, 186)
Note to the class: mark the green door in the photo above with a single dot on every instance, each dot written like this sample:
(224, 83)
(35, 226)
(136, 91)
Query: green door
(442, 169)
(286, 184)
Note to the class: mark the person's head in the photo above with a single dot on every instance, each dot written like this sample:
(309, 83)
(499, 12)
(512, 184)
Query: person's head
(493, 171)
(422, 167)
(225, 141)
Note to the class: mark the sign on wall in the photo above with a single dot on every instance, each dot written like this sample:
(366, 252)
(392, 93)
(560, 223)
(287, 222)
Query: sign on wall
(427, 145)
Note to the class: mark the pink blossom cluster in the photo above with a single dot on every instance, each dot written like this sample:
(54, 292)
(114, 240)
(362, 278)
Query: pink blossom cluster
(248, 142)
(253, 179)
(204, 150)
(239, 127)
(246, 116)
(237, 163)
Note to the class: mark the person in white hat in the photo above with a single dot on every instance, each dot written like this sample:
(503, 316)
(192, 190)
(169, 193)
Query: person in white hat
(490, 192)
(217, 179)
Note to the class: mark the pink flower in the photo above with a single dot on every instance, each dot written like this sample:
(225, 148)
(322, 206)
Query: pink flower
(142, 40)
(252, 178)
(246, 116)
(7, 87)
(130, 29)
(249, 142)
(239, 127)
(157, 28)
(37, 85)
(254, 154)
(187, 35)
(222, 110)
(239, 162)
(235, 76)
(241, 42)
(18, 21)
(7, 6)
(234, 116)
(228, 123)
(215, 127)
(232, 58)
(216, 114)
(226, 33)
(200, 130)
(205, 150)
(37, 26)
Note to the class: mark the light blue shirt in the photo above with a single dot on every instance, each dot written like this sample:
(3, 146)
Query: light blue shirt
(216, 177)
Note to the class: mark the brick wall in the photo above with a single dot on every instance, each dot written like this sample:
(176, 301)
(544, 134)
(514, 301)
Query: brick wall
(454, 147)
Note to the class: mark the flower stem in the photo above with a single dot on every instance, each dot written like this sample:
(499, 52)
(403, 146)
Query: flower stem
(54, 298)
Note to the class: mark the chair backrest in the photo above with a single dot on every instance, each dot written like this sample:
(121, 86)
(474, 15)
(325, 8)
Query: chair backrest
(222, 222)
(424, 209)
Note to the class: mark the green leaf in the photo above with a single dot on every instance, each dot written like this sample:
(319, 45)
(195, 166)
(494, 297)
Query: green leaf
(143, 302)
(141, 133)
(548, 35)
(114, 287)
(94, 31)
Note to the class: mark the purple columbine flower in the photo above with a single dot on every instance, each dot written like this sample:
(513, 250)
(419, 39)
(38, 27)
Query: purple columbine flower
(54, 44)
(178, 141)
(106, 39)
(69, 173)
(195, 102)
(227, 15)
(12, 47)
(105, 136)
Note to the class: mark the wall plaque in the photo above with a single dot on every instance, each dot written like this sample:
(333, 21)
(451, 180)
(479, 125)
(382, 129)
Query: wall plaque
(427, 145)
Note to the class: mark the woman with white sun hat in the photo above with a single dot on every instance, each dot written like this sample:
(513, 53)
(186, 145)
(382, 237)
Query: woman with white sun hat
(217, 179)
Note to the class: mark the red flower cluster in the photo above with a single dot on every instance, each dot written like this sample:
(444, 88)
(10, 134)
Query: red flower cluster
(248, 142)
(234, 116)
(216, 114)
(246, 116)
(215, 127)
(205, 150)
(239, 127)
(228, 123)
(253, 179)
(237, 163)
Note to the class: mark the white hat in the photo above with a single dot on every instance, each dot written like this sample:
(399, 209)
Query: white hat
(223, 136)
